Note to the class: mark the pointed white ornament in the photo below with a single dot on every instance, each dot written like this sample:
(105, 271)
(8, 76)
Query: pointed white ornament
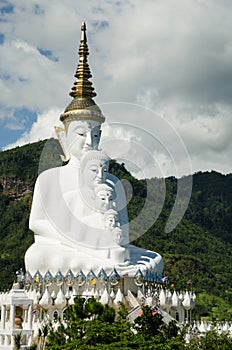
(53, 294)
(112, 294)
(119, 298)
(96, 294)
(162, 298)
(175, 300)
(60, 301)
(105, 298)
(187, 301)
(46, 300)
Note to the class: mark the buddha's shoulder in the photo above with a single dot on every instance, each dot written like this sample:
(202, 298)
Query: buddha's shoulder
(51, 173)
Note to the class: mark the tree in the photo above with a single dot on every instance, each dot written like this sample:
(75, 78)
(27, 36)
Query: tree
(17, 341)
(153, 333)
(214, 341)
(149, 323)
(42, 337)
(89, 324)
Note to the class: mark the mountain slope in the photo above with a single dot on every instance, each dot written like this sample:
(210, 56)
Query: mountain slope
(199, 248)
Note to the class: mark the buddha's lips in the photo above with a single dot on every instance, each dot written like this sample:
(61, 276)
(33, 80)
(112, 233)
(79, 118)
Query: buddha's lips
(88, 148)
(98, 181)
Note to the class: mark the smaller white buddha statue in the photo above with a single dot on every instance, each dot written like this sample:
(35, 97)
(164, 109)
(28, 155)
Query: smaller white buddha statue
(111, 219)
(94, 167)
(93, 172)
(104, 198)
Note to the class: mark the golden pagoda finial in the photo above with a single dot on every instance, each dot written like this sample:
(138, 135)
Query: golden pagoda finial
(82, 106)
(82, 86)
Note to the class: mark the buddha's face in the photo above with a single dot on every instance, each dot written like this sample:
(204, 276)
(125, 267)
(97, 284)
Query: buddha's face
(82, 136)
(95, 172)
(104, 200)
(111, 221)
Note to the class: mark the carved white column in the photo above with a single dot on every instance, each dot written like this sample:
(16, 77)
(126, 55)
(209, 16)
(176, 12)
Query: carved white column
(12, 316)
(30, 316)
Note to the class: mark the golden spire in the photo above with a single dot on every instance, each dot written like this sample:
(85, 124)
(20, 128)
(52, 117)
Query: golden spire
(82, 86)
(82, 106)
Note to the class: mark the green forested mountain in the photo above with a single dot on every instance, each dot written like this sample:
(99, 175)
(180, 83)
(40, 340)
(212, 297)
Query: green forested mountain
(198, 249)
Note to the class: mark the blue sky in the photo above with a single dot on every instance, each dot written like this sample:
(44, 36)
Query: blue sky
(21, 121)
(171, 57)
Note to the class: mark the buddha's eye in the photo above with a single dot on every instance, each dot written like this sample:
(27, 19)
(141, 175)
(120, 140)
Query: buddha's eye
(80, 133)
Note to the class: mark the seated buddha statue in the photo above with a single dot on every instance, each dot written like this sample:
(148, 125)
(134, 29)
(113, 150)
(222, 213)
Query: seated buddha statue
(79, 210)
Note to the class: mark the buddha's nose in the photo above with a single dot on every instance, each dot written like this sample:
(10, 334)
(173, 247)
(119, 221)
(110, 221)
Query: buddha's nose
(88, 140)
(100, 173)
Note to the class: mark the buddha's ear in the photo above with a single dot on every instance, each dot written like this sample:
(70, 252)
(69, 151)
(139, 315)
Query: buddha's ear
(61, 135)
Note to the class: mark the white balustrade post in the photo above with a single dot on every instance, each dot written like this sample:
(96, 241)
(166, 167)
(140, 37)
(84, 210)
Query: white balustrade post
(3, 316)
(7, 340)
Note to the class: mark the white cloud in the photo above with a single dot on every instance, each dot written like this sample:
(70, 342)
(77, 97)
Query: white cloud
(42, 129)
(171, 56)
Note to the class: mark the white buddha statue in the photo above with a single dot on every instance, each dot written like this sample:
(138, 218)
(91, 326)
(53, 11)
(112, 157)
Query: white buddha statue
(111, 219)
(67, 218)
(92, 196)
(104, 198)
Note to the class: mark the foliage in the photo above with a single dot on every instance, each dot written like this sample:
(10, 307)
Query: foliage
(213, 341)
(217, 308)
(153, 333)
(147, 325)
(91, 325)
(15, 236)
(89, 328)
(20, 166)
(88, 324)
(17, 341)
(42, 337)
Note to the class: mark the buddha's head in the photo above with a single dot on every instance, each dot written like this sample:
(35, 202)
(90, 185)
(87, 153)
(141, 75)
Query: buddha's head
(82, 136)
(94, 168)
(111, 219)
(82, 118)
(104, 197)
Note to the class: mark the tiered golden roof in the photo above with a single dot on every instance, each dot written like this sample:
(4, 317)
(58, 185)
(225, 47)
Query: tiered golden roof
(82, 106)
(82, 86)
